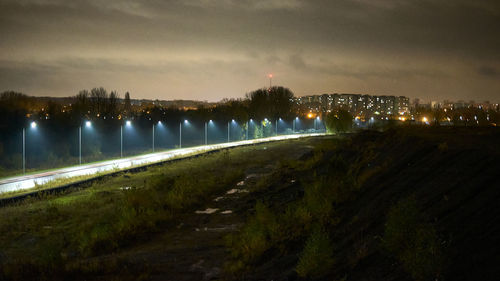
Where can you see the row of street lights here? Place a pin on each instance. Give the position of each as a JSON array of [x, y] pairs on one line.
[[128, 123]]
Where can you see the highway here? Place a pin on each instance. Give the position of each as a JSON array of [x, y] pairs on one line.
[[30, 181]]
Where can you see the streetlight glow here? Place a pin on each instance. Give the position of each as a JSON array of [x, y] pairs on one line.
[[129, 123], [88, 124], [33, 124]]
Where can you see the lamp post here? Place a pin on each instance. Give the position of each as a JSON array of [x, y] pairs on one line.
[[24, 151], [248, 124], [121, 141], [262, 126], [180, 135], [206, 131], [128, 123], [80, 145], [87, 125], [153, 137], [33, 126], [228, 124], [293, 124]]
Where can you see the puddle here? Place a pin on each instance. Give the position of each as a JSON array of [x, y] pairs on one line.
[[241, 183], [125, 188], [292, 181], [226, 212], [234, 190], [207, 211], [218, 198]]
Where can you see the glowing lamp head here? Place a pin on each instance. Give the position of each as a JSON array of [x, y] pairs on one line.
[[88, 124], [310, 115], [185, 121], [270, 75], [424, 119], [33, 125], [232, 120], [159, 122], [128, 123]]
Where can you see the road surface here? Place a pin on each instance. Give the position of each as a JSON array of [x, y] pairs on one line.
[[30, 181]]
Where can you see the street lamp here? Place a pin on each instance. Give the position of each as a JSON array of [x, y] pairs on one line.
[[293, 123], [88, 124], [246, 135], [128, 123], [206, 132], [180, 132], [33, 126], [316, 120]]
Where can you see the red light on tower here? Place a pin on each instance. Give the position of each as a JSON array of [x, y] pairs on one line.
[[270, 80]]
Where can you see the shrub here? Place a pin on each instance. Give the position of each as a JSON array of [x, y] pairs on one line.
[[316, 260], [414, 242]]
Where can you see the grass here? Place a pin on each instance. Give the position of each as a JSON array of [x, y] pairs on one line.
[[305, 220], [316, 259], [414, 241], [55, 236]]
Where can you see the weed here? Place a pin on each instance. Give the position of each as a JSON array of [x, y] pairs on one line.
[[316, 260], [414, 242]]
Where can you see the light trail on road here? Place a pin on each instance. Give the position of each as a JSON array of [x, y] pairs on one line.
[[30, 181]]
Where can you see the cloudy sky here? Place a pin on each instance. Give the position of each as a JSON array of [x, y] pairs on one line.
[[212, 49]]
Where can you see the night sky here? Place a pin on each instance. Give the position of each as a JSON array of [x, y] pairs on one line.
[[214, 49]]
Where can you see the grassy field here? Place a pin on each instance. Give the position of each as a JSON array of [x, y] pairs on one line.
[[55, 237], [404, 204]]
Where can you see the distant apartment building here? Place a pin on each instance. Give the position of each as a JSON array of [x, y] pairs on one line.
[[358, 105]]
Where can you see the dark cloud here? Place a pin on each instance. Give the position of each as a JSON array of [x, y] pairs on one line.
[[488, 71], [311, 46]]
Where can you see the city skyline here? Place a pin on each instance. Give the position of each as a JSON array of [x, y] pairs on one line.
[[210, 50]]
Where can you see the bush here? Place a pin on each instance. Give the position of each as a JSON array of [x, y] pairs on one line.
[[414, 242], [316, 260]]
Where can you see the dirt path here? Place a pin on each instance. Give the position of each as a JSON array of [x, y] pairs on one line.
[[195, 248]]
